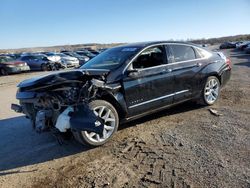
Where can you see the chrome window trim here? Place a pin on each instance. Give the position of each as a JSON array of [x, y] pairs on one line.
[[198, 59], [158, 98]]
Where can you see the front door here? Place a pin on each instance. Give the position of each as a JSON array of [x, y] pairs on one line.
[[148, 83]]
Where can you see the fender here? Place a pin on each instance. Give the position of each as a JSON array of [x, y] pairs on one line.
[[214, 68], [117, 99]]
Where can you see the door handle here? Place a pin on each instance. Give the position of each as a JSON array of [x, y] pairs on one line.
[[169, 70], [198, 64]]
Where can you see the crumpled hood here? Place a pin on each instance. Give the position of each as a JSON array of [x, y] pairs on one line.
[[54, 58], [61, 77]]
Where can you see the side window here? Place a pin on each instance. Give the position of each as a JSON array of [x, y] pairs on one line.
[[182, 53], [32, 57], [150, 57], [25, 58]]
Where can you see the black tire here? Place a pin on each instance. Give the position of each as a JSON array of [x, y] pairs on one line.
[[83, 136], [44, 67], [53, 68], [57, 66], [3, 72], [213, 93]]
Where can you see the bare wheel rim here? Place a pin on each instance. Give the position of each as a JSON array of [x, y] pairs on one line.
[[211, 91], [109, 124]]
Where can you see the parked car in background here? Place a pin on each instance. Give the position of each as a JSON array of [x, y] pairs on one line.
[[15, 55], [39, 62], [237, 44], [247, 49], [68, 61], [120, 85], [86, 53], [227, 45], [243, 45], [95, 52], [82, 58], [52, 56], [9, 65], [204, 45], [102, 50]]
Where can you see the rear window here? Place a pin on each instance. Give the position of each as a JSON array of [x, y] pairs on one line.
[[182, 53], [200, 53]]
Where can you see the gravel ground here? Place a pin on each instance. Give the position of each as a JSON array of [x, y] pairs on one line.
[[185, 146]]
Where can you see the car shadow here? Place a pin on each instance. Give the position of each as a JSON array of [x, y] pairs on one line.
[[247, 64], [177, 109], [22, 146], [244, 60]]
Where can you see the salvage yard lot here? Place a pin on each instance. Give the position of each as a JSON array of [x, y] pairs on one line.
[[179, 147]]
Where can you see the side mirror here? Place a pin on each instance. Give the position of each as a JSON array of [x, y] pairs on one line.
[[132, 72]]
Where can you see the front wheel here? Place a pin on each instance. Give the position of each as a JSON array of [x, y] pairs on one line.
[[3, 72], [44, 67], [108, 113], [211, 91]]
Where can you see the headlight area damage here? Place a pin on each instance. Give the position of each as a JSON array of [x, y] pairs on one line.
[[62, 100]]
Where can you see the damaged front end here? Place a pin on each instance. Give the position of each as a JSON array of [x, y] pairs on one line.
[[62, 101]]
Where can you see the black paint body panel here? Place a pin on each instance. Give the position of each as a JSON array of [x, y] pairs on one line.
[[145, 90]]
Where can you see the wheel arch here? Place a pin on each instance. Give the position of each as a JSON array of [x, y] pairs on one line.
[[215, 74], [117, 101]]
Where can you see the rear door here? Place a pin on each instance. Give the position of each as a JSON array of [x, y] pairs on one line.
[[186, 66], [29, 61], [147, 83]]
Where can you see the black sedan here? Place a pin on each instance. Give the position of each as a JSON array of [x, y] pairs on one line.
[[227, 45], [121, 84]]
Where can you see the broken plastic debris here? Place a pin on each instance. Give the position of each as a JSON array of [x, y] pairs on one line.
[[214, 112]]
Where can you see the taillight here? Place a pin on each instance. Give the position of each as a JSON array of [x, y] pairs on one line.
[[228, 62]]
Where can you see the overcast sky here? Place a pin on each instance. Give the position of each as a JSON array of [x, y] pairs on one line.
[[31, 23]]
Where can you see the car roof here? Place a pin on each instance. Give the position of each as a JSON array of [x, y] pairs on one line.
[[145, 44]]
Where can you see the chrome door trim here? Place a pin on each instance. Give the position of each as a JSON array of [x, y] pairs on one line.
[[158, 98]]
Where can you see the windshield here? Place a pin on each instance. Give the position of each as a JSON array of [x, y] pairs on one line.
[[43, 57], [6, 59], [111, 59]]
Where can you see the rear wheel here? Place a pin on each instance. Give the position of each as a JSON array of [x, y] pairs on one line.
[[211, 91], [108, 113]]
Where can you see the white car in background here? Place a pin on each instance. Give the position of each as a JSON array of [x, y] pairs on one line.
[[53, 57], [68, 61]]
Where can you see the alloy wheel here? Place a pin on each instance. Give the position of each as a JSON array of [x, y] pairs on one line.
[[211, 92], [109, 124]]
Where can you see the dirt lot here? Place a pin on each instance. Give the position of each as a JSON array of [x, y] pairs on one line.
[[185, 146]]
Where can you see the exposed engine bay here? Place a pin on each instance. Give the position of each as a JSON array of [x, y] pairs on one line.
[[61, 102]]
